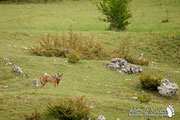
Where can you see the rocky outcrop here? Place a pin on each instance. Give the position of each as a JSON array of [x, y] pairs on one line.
[[122, 66], [167, 88]]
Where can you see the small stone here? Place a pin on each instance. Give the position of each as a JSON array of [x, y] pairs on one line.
[[9, 45], [35, 83], [23, 47], [18, 70], [6, 58], [65, 61], [106, 85], [142, 91], [135, 98], [169, 75], [6, 86], [9, 63], [108, 92], [118, 118], [101, 117], [69, 66], [84, 79]]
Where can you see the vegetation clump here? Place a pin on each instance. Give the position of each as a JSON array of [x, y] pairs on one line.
[[70, 46], [124, 51], [73, 56], [71, 108], [116, 12], [148, 81], [75, 47], [33, 116], [145, 97]]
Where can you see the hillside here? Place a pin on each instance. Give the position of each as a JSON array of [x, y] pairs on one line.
[[111, 92]]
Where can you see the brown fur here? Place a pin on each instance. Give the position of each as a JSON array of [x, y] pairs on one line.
[[55, 79]]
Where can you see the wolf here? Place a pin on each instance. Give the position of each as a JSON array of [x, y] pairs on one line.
[[55, 79]]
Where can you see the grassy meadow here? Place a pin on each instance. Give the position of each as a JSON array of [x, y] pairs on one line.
[[110, 92]]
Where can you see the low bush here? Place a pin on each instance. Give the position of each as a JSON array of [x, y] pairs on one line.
[[61, 46], [144, 97], [71, 108], [148, 81], [73, 56], [75, 46], [33, 116]]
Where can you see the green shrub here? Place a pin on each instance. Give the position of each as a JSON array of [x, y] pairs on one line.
[[74, 108], [144, 97], [33, 116], [116, 12], [148, 81], [57, 46], [73, 56]]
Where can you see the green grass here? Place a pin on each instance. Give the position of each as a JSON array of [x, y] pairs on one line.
[[23, 25]]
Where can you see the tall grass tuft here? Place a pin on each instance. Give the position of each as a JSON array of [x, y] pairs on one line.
[[71, 108], [144, 97], [124, 51], [33, 116]]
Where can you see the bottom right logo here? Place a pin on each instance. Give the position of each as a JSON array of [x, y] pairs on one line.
[[170, 110]]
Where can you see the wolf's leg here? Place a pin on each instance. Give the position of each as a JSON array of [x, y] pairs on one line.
[[42, 84]]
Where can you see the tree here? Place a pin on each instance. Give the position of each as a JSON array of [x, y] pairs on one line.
[[116, 12]]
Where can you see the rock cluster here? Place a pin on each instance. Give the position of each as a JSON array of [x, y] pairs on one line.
[[167, 88], [18, 70], [122, 66]]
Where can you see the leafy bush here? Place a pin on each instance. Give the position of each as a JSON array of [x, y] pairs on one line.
[[57, 46], [116, 12], [148, 81], [144, 97], [74, 108], [33, 116], [73, 56]]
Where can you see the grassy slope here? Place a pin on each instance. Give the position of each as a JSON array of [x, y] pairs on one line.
[[23, 24]]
